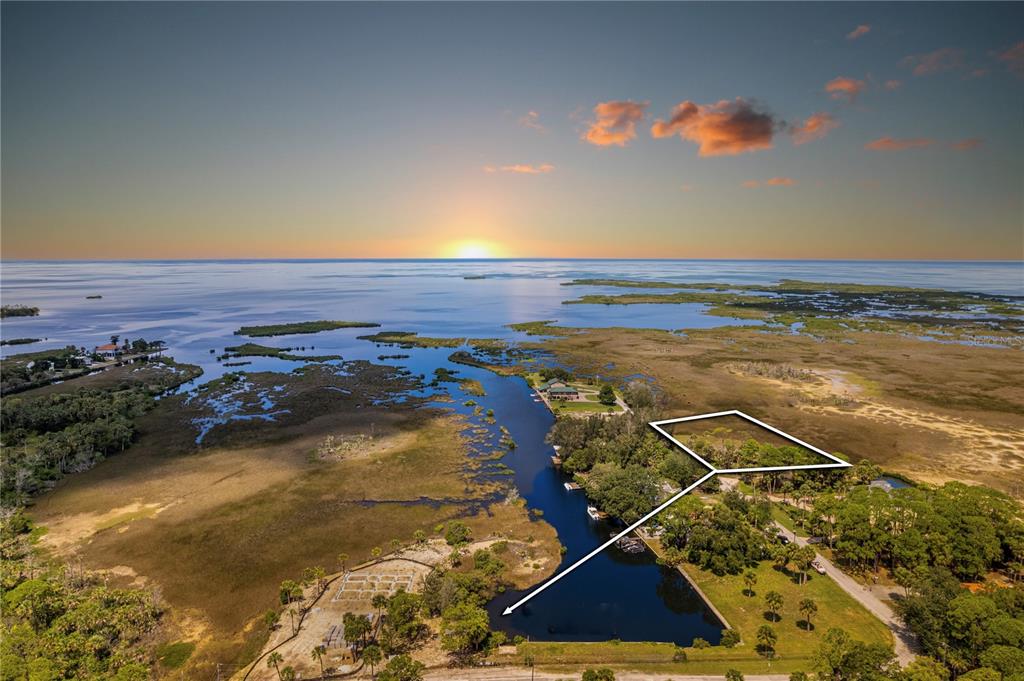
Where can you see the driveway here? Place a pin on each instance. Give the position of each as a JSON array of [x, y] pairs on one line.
[[903, 639]]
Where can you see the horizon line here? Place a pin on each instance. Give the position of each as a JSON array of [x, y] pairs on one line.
[[513, 259]]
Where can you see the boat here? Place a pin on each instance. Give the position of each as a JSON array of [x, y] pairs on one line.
[[593, 512], [630, 544], [571, 486], [557, 460]]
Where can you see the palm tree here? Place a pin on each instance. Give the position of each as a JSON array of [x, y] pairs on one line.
[[274, 660], [342, 560], [419, 536], [749, 580], [319, 574], [773, 599], [375, 552], [288, 674], [395, 544], [372, 655], [804, 557], [808, 608], [318, 655], [379, 601], [291, 616], [766, 639]]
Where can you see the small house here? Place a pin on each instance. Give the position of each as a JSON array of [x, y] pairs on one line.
[[108, 351]]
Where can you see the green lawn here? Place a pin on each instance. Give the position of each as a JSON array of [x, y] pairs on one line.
[[793, 652], [795, 645]]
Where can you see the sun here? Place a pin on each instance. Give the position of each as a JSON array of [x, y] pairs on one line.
[[471, 250]]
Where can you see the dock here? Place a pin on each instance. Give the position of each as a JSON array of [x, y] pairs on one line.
[[555, 459]]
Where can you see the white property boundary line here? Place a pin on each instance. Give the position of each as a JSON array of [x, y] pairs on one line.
[[712, 471]]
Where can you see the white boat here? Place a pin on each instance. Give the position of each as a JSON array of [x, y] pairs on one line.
[[593, 512], [571, 486]]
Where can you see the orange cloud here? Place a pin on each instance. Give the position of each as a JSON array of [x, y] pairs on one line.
[[521, 168], [861, 30], [531, 119], [893, 84], [846, 88], [721, 129], [615, 123], [945, 59], [1014, 59], [815, 127], [893, 144], [771, 182], [967, 144]]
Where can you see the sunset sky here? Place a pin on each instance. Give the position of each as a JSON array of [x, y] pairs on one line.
[[159, 130]]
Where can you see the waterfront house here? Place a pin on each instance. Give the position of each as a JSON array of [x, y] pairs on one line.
[[108, 351], [559, 390]]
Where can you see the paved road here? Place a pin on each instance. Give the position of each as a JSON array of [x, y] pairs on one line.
[[903, 640], [524, 674]]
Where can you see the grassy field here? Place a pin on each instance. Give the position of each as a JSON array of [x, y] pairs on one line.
[[930, 411], [793, 652], [261, 502]]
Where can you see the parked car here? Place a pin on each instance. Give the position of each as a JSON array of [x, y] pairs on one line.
[[782, 538], [818, 567]]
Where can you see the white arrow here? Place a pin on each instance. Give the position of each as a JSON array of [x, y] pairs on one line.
[[584, 559]]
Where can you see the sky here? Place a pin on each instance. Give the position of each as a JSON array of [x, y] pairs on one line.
[[726, 130]]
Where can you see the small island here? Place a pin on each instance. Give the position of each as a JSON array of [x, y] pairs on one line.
[[301, 327], [18, 311]]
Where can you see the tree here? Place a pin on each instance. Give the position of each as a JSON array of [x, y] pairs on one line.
[[379, 601], [375, 552], [798, 676], [274, 660], [733, 675], [343, 561], [288, 674], [270, 618], [773, 601], [318, 655], [808, 608], [457, 533], [840, 658], [464, 628], [804, 557], [606, 395], [356, 627], [925, 669], [420, 537], [602, 674], [766, 639], [749, 580], [402, 668], [372, 655]]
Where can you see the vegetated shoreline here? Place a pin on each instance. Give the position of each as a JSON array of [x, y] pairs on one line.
[[262, 331], [18, 311]]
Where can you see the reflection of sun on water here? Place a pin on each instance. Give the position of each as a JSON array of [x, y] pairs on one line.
[[471, 250]]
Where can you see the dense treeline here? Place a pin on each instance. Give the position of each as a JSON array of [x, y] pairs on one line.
[[968, 530], [61, 623], [46, 437], [982, 632]]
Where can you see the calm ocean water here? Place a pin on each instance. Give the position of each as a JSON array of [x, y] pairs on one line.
[[194, 305]]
